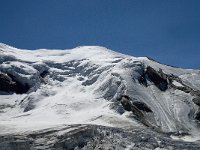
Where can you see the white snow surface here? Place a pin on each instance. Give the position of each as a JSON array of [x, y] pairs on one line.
[[177, 84], [81, 87]]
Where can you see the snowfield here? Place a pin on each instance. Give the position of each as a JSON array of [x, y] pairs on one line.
[[93, 85]]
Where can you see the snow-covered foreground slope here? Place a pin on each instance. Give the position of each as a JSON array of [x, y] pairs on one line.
[[94, 85]]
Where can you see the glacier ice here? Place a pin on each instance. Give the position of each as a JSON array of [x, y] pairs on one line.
[[96, 86]]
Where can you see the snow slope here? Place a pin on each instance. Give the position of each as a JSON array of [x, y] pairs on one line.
[[84, 85]]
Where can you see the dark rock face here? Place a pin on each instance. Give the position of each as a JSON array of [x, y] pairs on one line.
[[142, 106], [133, 106], [142, 80], [196, 100], [44, 73], [6, 82], [139, 109], [185, 89], [158, 78], [197, 116], [9, 84], [126, 104]]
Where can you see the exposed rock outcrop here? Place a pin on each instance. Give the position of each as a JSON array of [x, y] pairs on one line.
[[197, 115], [137, 108], [142, 106], [158, 78], [196, 100], [44, 73], [9, 84]]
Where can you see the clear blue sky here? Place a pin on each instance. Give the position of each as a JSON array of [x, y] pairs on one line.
[[166, 30]]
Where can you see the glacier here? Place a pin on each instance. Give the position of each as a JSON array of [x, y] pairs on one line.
[[91, 91]]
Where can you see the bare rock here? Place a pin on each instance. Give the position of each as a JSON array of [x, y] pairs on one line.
[[10, 85], [158, 78], [196, 100], [142, 106]]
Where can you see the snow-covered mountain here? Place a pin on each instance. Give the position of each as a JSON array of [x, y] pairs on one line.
[[94, 86]]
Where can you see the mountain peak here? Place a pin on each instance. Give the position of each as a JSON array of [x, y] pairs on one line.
[[95, 85]]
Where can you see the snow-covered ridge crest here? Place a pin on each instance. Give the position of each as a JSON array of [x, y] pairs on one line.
[[95, 85], [82, 52]]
